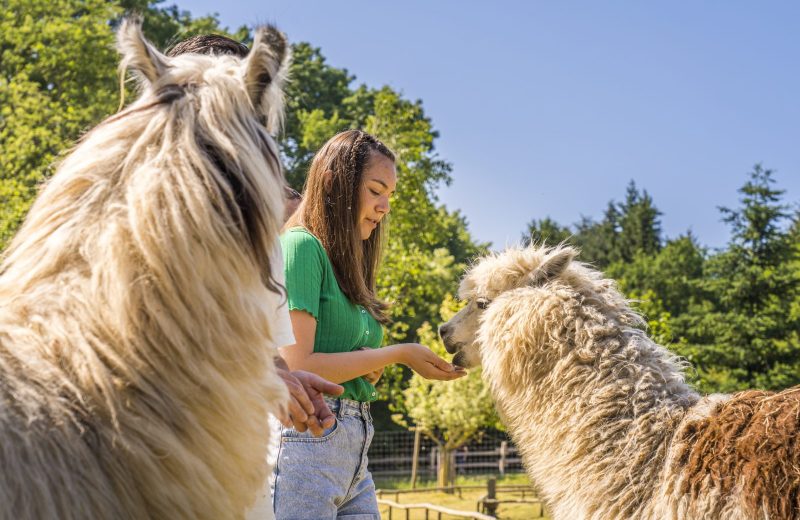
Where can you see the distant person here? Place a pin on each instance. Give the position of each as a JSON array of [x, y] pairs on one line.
[[293, 198], [332, 249]]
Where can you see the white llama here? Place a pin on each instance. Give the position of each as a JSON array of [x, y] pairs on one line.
[[135, 369]]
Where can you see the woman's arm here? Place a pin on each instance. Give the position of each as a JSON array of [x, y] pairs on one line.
[[344, 366]]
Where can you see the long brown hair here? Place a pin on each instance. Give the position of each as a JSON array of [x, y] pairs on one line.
[[330, 210]]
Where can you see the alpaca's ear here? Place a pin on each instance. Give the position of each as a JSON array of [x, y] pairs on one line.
[[265, 72], [138, 54], [553, 265]]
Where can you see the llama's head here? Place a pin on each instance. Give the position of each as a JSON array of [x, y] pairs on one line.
[[525, 287], [238, 104], [189, 169]]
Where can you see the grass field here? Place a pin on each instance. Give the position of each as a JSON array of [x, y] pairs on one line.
[[467, 501]]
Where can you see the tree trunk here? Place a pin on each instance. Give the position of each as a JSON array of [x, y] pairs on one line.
[[445, 475]]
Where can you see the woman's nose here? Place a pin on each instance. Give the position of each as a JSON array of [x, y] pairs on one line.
[[383, 205]]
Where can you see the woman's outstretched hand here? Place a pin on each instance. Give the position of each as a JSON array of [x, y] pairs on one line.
[[424, 362]]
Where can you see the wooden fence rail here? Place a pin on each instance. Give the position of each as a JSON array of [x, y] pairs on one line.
[[523, 489], [428, 508]]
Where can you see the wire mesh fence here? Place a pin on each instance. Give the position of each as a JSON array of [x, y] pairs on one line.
[[392, 455]]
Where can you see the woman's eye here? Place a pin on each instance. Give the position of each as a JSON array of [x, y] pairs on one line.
[[374, 192]]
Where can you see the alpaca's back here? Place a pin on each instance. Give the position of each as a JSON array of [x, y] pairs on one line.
[[738, 456]]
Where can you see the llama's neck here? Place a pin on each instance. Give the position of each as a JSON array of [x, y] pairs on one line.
[[594, 433]]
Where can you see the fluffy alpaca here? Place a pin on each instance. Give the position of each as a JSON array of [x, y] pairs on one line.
[[605, 423], [135, 365]]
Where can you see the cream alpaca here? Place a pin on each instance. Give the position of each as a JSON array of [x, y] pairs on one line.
[[135, 367], [606, 425]]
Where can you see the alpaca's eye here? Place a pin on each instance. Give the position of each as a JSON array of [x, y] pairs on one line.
[[482, 303]]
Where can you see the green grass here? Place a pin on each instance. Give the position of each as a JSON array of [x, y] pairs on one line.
[[467, 501]]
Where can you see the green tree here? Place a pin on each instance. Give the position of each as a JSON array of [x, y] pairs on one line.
[[429, 246], [318, 101], [672, 274], [57, 78], [628, 228], [546, 231], [598, 240], [745, 335], [639, 225]]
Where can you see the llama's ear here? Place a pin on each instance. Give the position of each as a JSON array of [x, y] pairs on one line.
[[265, 72], [138, 54], [555, 262]]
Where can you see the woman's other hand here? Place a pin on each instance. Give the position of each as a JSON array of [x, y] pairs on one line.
[[424, 362], [307, 408]]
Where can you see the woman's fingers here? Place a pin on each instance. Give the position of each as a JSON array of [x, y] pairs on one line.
[[315, 427], [442, 365], [434, 371], [300, 394], [296, 411]]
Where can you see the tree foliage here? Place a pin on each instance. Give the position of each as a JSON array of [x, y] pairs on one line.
[[627, 229], [743, 330], [57, 78]]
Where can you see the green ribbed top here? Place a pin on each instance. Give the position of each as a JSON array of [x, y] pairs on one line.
[[311, 285]]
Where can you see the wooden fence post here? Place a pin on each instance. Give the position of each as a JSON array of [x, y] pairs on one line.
[[501, 464], [453, 469], [415, 459], [491, 497]]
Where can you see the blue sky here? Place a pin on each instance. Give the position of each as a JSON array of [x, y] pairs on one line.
[[551, 108]]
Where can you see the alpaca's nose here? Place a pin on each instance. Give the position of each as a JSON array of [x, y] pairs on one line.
[[444, 330]]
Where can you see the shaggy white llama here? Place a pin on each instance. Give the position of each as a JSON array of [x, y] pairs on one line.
[[135, 368], [606, 425]]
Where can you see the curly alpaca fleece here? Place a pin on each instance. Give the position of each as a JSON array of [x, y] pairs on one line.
[[136, 368], [606, 425]]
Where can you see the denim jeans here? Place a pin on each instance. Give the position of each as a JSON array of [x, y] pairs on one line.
[[325, 478]]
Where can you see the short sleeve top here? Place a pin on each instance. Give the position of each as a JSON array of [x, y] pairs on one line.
[[342, 326], [282, 334]]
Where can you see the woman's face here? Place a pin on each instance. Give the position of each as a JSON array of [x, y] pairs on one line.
[[377, 185]]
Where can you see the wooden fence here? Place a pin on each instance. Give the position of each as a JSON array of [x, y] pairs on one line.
[[431, 508], [424, 460], [486, 506]]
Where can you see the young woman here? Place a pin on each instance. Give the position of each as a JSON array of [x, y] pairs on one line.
[[332, 247]]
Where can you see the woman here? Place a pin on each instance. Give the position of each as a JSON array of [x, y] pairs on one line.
[[331, 249]]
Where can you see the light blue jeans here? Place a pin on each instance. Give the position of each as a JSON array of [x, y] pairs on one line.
[[325, 478]]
